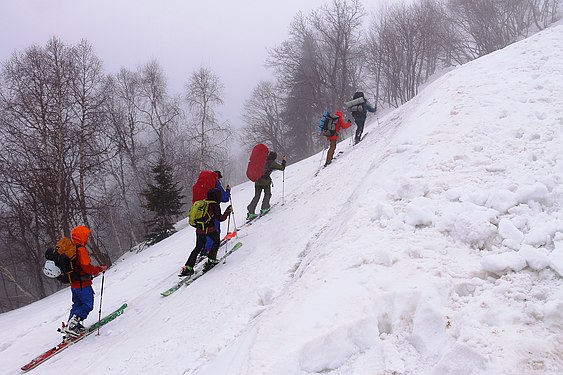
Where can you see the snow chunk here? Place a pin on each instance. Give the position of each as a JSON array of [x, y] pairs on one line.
[[501, 200], [556, 258], [460, 359], [420, 212], [473, 226], [403, 188], [541, 234], [475, 196], [429, 331], [501, 263], [508, 231], [384, 211], [537, 192], [534, 257], [338, 346]]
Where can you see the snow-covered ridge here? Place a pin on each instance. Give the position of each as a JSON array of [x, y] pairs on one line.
[[435, 246]]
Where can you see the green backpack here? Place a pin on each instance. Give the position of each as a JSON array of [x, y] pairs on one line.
[[199, 215]]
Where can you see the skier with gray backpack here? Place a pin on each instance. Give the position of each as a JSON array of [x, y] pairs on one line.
[[359, 108]]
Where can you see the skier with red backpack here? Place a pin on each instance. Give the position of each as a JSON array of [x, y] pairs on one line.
[[225, 197], [205, 228], [264, 183], [208, 180]]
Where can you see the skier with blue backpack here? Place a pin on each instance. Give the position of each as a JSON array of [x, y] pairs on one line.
[[330, 126]]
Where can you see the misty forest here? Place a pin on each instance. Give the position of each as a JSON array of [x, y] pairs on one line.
[[79, 146]]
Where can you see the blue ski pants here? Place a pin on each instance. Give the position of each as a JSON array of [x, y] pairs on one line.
[[82, 301]]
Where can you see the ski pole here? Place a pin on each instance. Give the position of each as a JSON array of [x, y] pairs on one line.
[[227, 244], [283, 187], [234, 221], [101, 296]]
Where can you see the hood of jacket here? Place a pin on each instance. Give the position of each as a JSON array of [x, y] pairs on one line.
[[80, 235], [214, 195]]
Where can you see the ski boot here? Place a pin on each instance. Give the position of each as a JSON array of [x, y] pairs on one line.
[[264, 211], [250, 216], [74, 328], [210, 264], [186, 271]]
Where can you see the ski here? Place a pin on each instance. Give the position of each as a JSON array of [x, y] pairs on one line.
[[326, 165], [190, 279], [66, 343], [362, 138], [249, 222]]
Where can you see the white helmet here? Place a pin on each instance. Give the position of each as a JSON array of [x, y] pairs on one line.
[[51, 270]]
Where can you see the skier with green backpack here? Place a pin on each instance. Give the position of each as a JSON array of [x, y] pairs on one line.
[[202, 216]]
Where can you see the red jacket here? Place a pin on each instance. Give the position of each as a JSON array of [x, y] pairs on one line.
[[86, 269], [340, 124]]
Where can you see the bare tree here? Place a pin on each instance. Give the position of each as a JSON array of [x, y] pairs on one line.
[[405, 47], [159, 111], [38, 153], [318, 68], [89, 94], [203, 95], [262, 116], [50, 156]]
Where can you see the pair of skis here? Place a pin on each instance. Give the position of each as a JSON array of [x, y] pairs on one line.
[[68, 342], [249, 222], [199, 273]]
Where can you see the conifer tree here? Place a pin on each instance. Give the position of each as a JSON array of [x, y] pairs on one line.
[[164, 199]]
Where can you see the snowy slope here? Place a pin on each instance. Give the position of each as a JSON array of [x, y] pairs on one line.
[[435, 246]]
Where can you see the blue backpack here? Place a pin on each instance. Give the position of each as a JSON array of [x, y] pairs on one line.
[[327, 124]]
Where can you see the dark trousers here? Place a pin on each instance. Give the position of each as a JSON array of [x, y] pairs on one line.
[[257, 193], [359, 128], [200, 245], [209, 241]]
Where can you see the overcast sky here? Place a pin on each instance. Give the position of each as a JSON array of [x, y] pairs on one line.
[[230, 37]]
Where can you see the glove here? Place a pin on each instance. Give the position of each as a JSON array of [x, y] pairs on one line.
[[103, 268], [229, 210], [350, 121]]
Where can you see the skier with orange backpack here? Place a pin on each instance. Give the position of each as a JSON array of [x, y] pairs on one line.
[[80, 283]]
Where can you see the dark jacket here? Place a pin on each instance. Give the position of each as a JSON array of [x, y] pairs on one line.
[[361, 115], [269, 167], [214, 209]]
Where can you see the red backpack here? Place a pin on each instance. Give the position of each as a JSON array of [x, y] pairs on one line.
[[257, 161], [205, 181]]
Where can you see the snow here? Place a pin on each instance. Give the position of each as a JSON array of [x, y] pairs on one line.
[[435, 246]]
